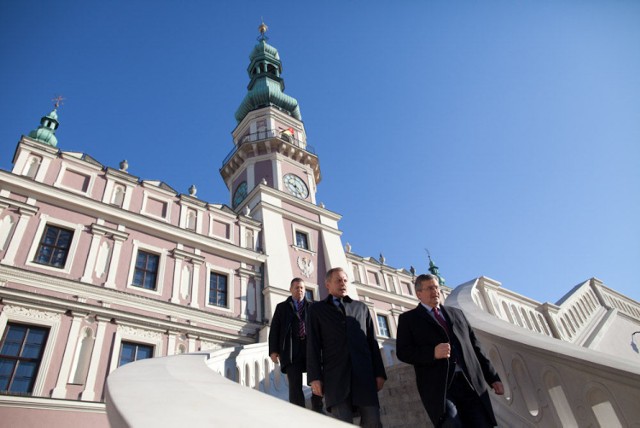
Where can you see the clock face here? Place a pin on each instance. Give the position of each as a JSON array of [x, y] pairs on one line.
[[240, 194], [296, 186]]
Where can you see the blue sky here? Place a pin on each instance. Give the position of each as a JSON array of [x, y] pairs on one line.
[[501, 135]]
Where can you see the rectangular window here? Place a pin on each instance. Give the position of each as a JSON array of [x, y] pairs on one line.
[[356, 273], [146, 270], [373, 278], [302, 240], [309, 295], [54, 246], [130, 352], [21, 351], [383, 325], [218, 290]]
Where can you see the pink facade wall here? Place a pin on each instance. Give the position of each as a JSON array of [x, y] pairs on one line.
[[29, 417], [301, 212], [59, 211], [264, 169]]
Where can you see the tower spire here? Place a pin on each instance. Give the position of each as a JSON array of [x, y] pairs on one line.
[[45, 133], [266, 87], [262, 28], [433, 269]]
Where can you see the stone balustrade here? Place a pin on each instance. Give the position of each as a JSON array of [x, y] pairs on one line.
[[549, 380]]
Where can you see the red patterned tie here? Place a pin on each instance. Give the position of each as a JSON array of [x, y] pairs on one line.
[[302, 332], [441, 320]]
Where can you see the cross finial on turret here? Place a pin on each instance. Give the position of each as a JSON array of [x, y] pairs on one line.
[[57, 101]]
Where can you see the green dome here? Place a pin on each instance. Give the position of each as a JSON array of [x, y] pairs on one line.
[[266, 87], [45, 133]]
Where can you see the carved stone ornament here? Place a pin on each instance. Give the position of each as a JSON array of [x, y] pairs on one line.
[[128, 331], [206, 345], [35, 314], [306, 266]]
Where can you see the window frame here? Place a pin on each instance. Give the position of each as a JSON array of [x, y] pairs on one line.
[[385, 317], [145, 271], [299, 233], [40, 318], [162, 262], [23, 359], [137, 345], [295, 229], [54, 248], [230, 274], [46, 220], [129, 333]]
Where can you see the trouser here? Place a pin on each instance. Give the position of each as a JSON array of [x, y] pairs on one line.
[[369, 415], [296, 396], [294, 377], [464, 406]]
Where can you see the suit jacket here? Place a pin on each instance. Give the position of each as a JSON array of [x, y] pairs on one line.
[[418, 335], [343, 353], [283, 336]]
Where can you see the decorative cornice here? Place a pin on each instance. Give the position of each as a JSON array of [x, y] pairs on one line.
[[22, 207], [118, 298], [139, 221]]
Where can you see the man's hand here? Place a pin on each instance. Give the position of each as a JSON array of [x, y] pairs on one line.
[[498, 388], [379, 383], [275, 357], [442, 350], [316, 388]]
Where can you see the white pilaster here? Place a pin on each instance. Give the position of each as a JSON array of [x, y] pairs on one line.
[[195, 285], [91, 258], [177, 271], [18, 234], [60, 390], [89, 393], [115, 260]]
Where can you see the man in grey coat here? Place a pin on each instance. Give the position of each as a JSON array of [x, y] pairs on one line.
[[343, 356], [452, 371]]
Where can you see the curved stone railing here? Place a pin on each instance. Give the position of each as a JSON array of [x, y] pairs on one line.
[[550, 382], [182, 390]]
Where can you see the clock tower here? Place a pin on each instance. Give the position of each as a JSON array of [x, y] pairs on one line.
[[272, 174]]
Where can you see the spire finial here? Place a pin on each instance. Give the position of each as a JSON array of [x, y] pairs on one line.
[[57, 101], [262, 29], [434, 269]]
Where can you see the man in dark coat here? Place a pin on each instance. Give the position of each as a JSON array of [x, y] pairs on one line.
[[452, 372], [288, 342], [343, 356]]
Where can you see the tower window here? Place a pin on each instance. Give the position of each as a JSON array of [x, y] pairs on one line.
[[302, 240], [308, 294]]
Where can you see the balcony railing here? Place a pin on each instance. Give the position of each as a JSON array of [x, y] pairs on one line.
[[267, 135]]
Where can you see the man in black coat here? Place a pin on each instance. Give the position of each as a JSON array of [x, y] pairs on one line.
[[343, 356], [452, 372], [288, 342]]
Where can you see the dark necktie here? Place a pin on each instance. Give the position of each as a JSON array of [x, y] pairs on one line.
[[441, 320], [340, 306], [302, 332]]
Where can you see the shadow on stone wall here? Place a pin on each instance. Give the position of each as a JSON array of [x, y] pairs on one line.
[[400, 404]]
